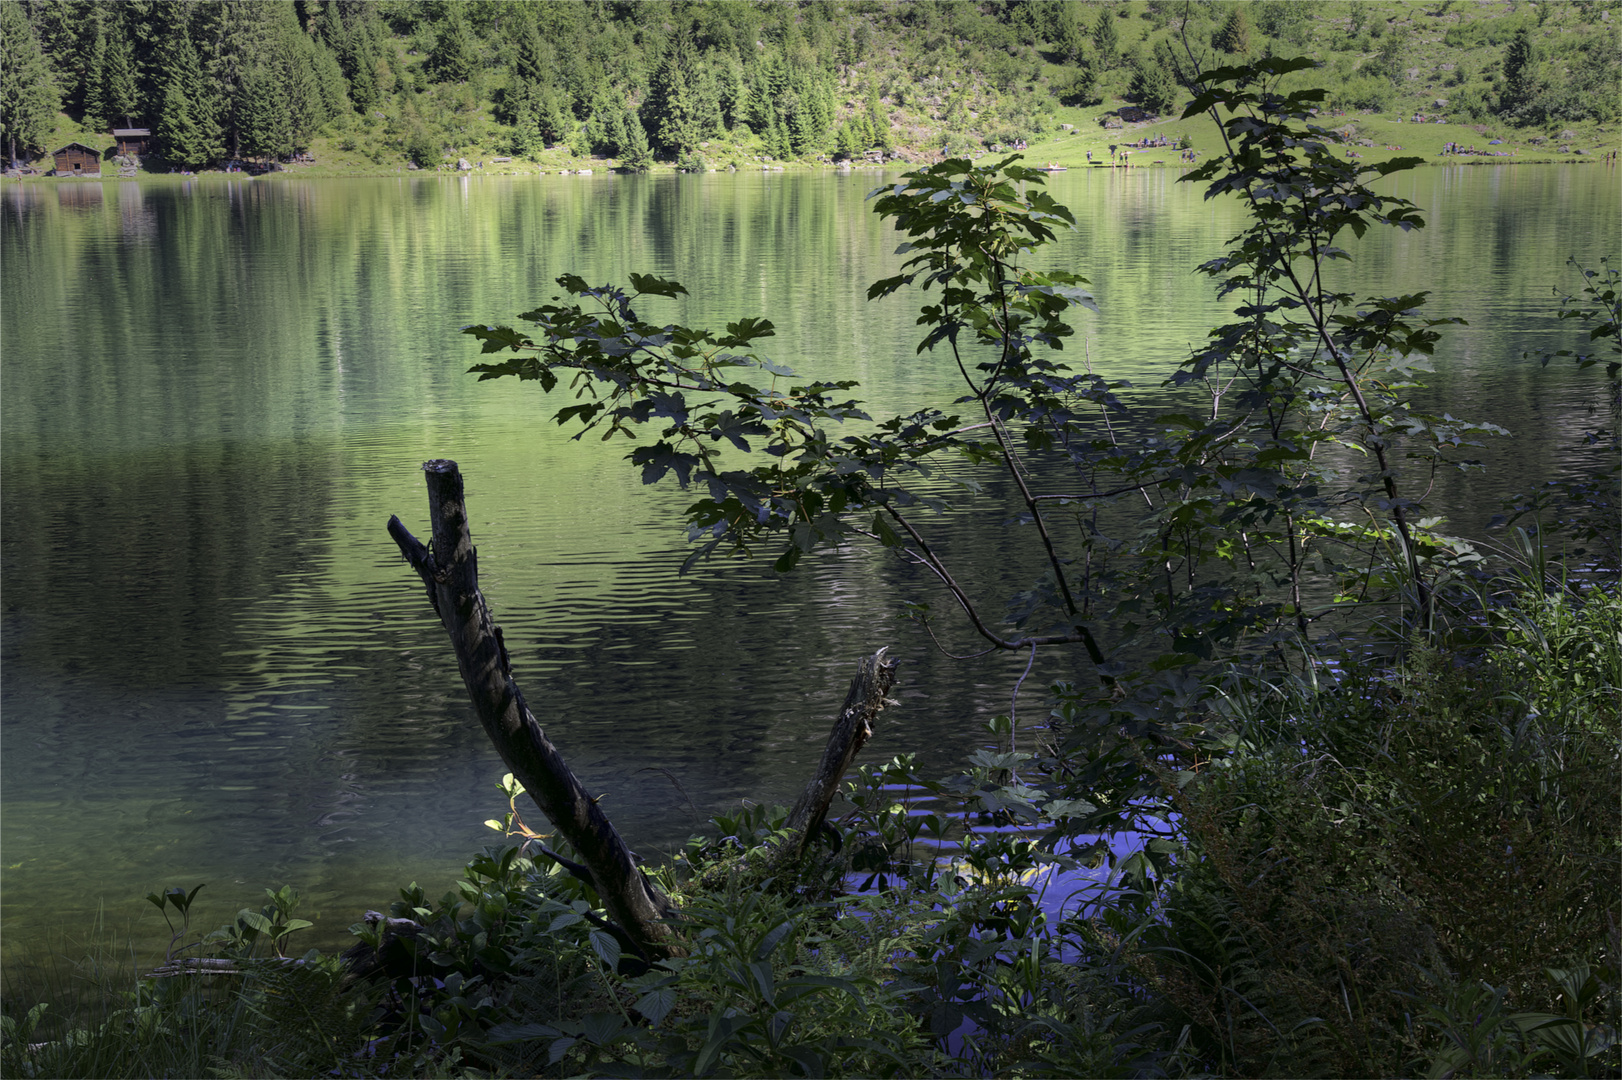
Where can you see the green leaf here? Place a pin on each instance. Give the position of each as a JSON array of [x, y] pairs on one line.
[[808, 1057], [602, 1028], [606, 948], [773, 938], [502, 1034], [655, 1006], [744, 331], [648, 285], [887, 536], [254, 920]]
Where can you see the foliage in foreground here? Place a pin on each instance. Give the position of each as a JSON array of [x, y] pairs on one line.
[[1368, 859], [1389, 873]]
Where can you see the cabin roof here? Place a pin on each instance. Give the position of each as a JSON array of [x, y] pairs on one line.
[[71, 145], [131, 132]]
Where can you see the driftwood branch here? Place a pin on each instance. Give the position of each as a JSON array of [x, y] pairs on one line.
[[868, 695], [450, 570]]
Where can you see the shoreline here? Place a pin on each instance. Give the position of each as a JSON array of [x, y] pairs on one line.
[[318, 173]]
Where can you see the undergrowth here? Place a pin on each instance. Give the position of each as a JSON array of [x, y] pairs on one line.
[[1393, 871]]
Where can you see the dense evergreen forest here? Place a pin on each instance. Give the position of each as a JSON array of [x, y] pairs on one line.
[[384, 83]]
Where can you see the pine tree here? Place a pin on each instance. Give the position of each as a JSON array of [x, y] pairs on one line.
[[264, 119], [878, 122], [1153, 84], [120, 99], [29, 97], [1235, 35], [527, 140], [670, 111], [455, 54], [186, 133], [1521, 84], [636, 154], [92, 96], [1106, 37], [731, 92]]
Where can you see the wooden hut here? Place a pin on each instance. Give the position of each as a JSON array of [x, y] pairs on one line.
[[133, 141], [77, 159]]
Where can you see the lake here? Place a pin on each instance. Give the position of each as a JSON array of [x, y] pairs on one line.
[[214, 666]]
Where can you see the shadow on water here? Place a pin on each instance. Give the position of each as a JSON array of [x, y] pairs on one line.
[[214, 666]]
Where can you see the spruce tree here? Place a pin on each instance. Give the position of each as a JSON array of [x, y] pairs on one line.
[[29, 97], [553, 117], [1153, 84], [455, 54], [527, 141], [1071, 40], [731, 93], [264, 119], [1235, 36], [354, 33], [304, 65], [120, 99], [1106, 37], [878, 122], [1521, 85], [670, 111], [636, 154], [845, 141], [535, 61], [186, 132], [92, 93]]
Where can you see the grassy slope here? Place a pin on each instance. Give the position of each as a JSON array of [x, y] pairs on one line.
[[357, 146]]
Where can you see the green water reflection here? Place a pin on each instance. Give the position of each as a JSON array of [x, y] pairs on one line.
[[215, 667]]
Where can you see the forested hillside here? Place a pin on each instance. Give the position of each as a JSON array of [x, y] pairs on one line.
[[377, 84]]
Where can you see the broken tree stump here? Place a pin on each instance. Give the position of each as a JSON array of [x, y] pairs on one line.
[[450, 570]]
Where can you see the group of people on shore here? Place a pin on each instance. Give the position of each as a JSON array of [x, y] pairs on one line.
[[1454, 149]]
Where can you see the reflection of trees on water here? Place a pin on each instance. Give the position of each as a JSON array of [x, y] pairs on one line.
[[215, 394]]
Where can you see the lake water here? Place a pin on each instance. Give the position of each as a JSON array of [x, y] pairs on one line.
[[216, 668]]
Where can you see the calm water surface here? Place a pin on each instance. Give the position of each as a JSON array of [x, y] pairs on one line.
[[215, 665]]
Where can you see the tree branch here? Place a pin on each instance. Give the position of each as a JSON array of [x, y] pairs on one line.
[[451, 573]]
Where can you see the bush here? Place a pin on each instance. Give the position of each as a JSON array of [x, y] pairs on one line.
[[1448, 825], [423, 148]]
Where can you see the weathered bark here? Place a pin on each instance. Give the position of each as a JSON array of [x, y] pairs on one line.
[[451, 572], [867, 696], [639, 910]]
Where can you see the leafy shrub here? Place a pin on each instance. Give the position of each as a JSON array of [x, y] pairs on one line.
[[1446, 826], [422, 147]]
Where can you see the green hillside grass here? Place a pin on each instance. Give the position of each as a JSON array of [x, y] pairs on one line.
[[973, 77]]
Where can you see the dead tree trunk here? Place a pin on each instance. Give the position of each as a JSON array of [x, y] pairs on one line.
[[867, 696], [451, 572]]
